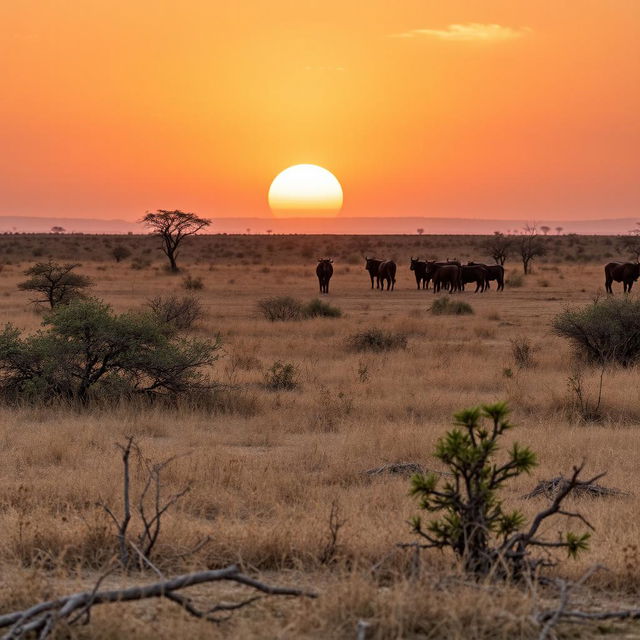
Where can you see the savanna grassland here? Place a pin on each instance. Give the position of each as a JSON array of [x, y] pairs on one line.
[[267, 466]]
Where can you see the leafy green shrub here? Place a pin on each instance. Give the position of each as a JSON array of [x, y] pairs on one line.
[[483, 535], [515, 280], [85, 351], [377, 340], [446, 307], [603, 332], [281, 308], [319, 308], [281, 376], [193, 284]]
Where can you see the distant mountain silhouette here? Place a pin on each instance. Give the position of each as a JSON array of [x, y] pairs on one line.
[[340, 225]]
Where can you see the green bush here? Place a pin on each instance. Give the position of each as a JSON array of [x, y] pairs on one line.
[[86, 351], [603, 332], [488, 539], [281, 308], [281, 376], [377, 340], [318, 308], [56, 283], [446, 307]]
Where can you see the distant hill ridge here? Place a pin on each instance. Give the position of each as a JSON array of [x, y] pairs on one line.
[[340, 225]]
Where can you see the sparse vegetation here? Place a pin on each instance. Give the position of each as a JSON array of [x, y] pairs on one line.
[[514, 280], [177, 312], [446, 307], [377, 340], [281, 308], [318, 308], [281, 376], [193, 283], [606, 331], [120, 252], [522, 351]]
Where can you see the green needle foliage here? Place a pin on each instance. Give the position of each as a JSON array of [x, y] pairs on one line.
[[474, 523]]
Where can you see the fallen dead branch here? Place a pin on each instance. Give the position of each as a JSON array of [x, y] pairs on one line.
[[43, 617], [550, 618], [550, 488], [396, 468]]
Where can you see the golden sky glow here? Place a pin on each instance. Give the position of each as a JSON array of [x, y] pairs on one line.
[[469, 108]]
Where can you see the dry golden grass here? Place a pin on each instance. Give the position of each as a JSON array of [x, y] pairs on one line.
[[266, 466]]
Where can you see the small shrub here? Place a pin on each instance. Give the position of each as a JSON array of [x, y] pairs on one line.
[[473, 523], [448, 307], [179, 313], [515, 280], [140, 263], [193, 284], [318, 308], [120, 252], [281, 308], [377, 340], [281, 376], [606, 331], [522, 352]]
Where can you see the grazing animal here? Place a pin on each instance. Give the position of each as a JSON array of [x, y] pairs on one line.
[[433, 266], [419, 268], [324, 271], [387, 272], [475, 273], [625, 272], [494, 272], [446, 276], [372, 265]]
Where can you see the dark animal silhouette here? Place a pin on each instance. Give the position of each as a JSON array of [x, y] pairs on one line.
[[625, 272], [494, 272], [419, 268], [324, 271], [387, 272], [432, 266], [475, 274], [447, 276], [372, 265]]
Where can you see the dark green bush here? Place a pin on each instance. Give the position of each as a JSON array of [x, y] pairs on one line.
[[446, 307], [377, 340], [603, 332], [56, 283], [86, 351]]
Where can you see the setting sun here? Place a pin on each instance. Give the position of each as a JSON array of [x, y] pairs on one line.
[[305, 190]]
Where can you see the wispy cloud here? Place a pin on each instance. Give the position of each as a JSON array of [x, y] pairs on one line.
[[471, 31]]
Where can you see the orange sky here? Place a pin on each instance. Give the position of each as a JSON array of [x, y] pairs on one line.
[[471, 108]]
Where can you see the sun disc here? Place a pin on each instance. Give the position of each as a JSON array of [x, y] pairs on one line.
[[305, 190]]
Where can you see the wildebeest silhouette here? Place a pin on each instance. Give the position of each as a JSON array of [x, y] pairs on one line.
[[446, 276], [372, 265], [625, 272], [387, 272], [419, 268], [474, 273], [433, 266], [324, 271], [494, 272]]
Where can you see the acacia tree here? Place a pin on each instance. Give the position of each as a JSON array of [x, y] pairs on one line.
[[498, 246], [530, 246], [173, 227], [631, 243], [56, 282]]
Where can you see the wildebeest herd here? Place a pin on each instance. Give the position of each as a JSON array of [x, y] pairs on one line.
[[452, 276]]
